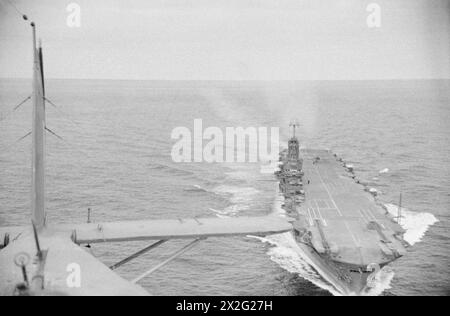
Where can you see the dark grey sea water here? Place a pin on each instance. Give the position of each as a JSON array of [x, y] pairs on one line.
[[115, 159]]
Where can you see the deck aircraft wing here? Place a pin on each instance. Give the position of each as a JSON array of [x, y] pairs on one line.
[[64, 258], [159, 229], [177, 229]]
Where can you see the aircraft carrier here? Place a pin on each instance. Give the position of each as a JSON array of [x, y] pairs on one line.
[[342, 231]]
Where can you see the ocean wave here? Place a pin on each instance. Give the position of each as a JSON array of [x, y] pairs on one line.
[[196, 188], [170, 170]]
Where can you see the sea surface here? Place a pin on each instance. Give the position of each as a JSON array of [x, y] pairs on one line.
[[114, 156]]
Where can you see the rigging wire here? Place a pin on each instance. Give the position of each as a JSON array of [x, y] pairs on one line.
[[16, 9], [54, 134], [7, 115], [4, 117], [72, 146], [21, 103], [62, 113], [7, 147]]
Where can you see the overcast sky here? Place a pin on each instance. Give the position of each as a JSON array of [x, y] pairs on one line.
[[230, 39]]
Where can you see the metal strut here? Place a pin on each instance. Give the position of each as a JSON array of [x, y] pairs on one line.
[[171, 258], [137, 254], [38, 280]]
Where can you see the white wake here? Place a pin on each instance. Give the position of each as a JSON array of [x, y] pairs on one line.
[[241, 199], [286, 253], [416, 224]]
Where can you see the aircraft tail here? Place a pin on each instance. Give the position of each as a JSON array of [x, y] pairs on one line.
[[38, 138]]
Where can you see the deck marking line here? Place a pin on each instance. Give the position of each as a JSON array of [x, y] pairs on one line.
[[314, 213], [320, 215], [351, 234], [309, 217], [329, 194], [363, 217]]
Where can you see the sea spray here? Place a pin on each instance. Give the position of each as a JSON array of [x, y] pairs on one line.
[[415, 224], [287, 255], [240, 198]]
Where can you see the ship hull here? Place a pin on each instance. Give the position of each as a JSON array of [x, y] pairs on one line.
[[344, 278]]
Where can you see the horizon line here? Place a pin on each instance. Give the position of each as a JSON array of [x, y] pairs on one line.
[[230, 80]]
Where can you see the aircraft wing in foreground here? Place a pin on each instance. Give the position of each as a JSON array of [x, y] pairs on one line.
[[51, 262]]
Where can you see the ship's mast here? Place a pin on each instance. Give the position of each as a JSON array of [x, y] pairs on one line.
[[294, 125], [38, 138], [399, 209], [293, 144]]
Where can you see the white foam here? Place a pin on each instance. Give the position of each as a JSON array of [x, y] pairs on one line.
[[287, 255], [240, 197], [196, 187], [219, 213], [416, 224], [382, 282], [238, 194], [222, 216]]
